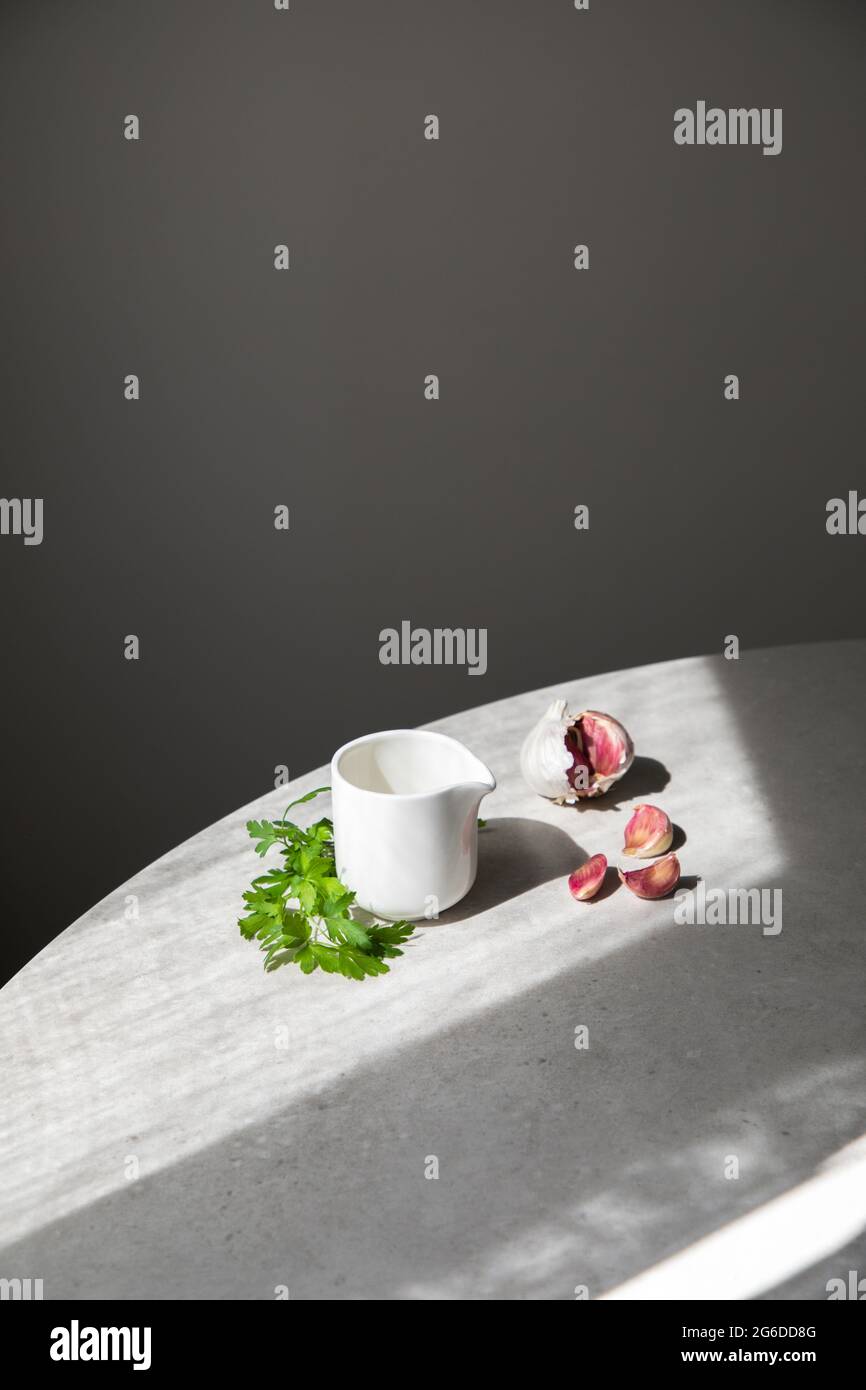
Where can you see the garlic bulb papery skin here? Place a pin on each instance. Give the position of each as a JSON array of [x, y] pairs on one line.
[[572, 757]]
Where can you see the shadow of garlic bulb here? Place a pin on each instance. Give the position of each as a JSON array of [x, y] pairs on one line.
[[572, 757]]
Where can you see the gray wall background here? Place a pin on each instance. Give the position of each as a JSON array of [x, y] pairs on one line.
[[306, 387]]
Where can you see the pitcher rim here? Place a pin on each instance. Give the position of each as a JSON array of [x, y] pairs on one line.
[[416, 733]]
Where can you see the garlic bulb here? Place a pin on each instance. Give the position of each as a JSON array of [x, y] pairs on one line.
[[569, 757]]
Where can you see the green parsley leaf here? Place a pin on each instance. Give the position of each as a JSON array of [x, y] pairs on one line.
[[319, 933]]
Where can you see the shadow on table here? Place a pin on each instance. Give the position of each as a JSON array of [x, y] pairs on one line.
[[332, 1196], [645, 777], [515, 854]]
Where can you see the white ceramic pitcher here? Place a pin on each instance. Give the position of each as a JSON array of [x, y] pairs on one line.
[[405, 809]]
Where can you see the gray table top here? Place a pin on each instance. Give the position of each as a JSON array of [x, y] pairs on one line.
[[177, 1124]]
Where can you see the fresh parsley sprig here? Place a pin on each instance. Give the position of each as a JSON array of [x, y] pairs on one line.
[[299, 914]]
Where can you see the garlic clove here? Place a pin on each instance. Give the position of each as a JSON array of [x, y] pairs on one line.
[[585, 882], [570, 757], [649, 832], [656, 880]]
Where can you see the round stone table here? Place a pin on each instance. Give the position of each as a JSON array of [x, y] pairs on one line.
[[600, 1086]]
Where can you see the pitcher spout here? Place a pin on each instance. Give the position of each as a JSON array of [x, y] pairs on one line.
[[480, 781]]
